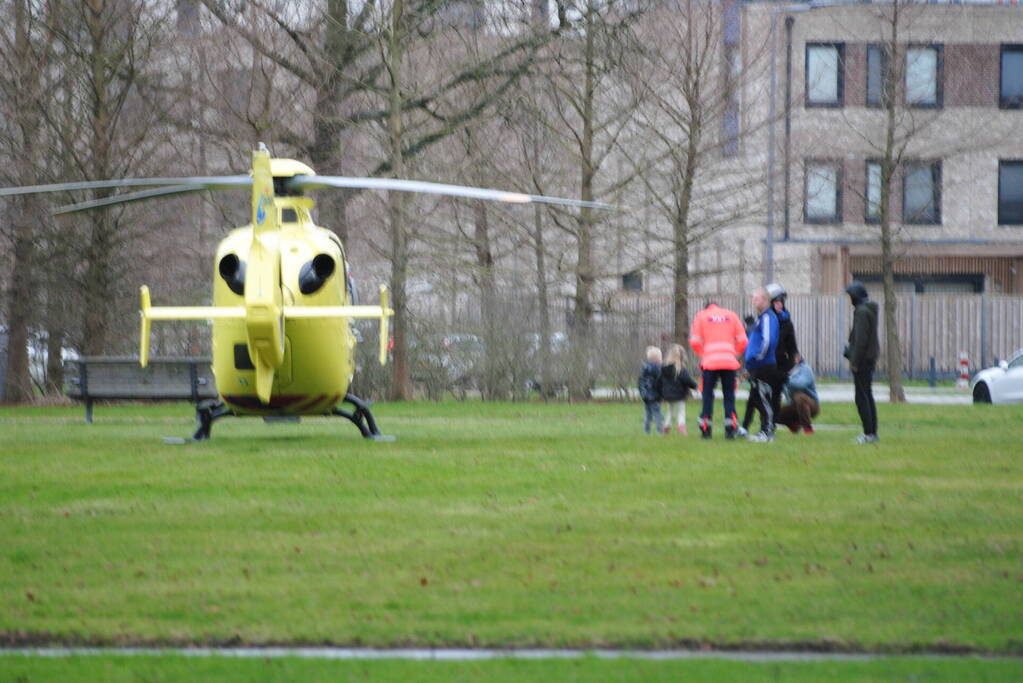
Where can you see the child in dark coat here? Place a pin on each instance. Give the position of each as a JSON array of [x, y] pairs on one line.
[[650, 389], [675, 386]]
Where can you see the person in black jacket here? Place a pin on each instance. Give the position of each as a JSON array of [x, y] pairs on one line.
[[787, 351], [650, 389], [675, 386], [862, 352]]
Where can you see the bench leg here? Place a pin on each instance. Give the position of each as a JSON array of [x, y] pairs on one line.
[[88, 411], [205, 413], [361, 417]]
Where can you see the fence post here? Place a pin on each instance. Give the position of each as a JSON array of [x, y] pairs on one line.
[[912, 334], [985, 322], [840, 337], [932, 377], [817, 337]]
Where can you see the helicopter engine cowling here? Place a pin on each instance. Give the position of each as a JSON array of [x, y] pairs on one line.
[[315, 273], [232, 269]]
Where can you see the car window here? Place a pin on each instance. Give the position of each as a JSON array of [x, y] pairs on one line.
[[1016, 362]]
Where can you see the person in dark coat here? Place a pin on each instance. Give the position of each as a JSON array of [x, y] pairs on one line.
[[650, 389], [787, 352], [675, 387], [862, 351]]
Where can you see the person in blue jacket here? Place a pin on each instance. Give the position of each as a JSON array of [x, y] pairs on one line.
[[761, 363]]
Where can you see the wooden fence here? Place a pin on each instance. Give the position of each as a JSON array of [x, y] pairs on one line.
[[987, 327]]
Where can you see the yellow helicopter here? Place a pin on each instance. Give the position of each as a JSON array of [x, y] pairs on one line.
[[283, 342]]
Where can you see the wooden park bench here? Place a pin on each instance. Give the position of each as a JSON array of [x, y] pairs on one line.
[[120, 378]]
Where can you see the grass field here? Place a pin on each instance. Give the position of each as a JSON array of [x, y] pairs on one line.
[[513, 525]]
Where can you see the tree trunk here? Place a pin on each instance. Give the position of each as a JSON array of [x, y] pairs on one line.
[[582, 306], [24, 215], [685, 174], [543, 304], [326, 154], [488, 303], [893, 350], [401, 387], [20, 307], [100, 245]]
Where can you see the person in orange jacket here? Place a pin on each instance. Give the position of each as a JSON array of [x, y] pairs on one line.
[[718, 337]]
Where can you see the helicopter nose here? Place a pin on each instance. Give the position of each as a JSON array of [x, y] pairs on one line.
[[232, 269], [314, 273]]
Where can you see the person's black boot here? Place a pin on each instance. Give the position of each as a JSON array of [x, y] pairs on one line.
[[704, 428]]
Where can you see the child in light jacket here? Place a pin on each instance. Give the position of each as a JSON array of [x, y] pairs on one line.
[[675, 387]]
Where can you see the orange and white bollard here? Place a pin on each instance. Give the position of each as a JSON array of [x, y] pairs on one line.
[[964, 371]]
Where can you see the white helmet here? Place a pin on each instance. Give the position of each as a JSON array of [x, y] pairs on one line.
[[776, 291]]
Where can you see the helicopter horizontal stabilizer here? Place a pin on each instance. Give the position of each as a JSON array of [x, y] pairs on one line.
[[381, 312], [147, 314]]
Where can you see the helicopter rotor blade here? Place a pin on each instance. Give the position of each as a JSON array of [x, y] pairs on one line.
[[307, 182], [207, 183], [128, 197]]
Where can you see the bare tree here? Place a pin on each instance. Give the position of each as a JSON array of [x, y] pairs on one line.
[[26, 48], [590, 111], [691, 73]]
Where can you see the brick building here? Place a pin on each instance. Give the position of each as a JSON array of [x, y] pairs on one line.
[[957, 195]]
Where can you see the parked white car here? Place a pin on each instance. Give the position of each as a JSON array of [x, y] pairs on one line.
[[1000, 384]]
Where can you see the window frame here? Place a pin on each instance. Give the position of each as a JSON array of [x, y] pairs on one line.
[[1015, 101], [885, 66], [839, 102], [867, 218], [935, 166], [939, 75], [836, 218], [1001, 162]]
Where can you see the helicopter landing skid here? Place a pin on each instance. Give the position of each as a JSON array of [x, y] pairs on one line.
[[362, 418]]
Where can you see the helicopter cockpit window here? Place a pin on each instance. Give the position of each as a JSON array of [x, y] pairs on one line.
[[232, 269], [289, 216], [314, 273]]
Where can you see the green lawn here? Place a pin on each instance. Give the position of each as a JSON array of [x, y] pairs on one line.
[[225, 669], [512, 525]]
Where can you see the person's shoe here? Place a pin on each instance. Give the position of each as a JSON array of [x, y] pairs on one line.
[[705, 431], [682, 430], [867, 438], [808, 430], [667, 429], [741, 431], [760, 437]]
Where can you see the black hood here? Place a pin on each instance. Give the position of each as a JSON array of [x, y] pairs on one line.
[[857, 292]]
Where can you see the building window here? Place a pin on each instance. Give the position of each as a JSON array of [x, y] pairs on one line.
[[824, 74], [1010, 192], [872, 203], [921, 193], [877, 68], [632, 281], [823, 191], [1011, 90], [923, 76]]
